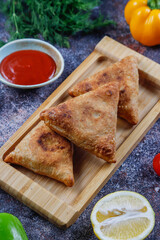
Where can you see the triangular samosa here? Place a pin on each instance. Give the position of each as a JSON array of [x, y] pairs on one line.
[[89, 120], [45, 152], [124, 71]]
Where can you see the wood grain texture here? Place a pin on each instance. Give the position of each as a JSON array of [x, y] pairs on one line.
[[53, 200], [148, 69]]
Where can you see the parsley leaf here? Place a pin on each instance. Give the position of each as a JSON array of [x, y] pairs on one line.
[[54, 20]]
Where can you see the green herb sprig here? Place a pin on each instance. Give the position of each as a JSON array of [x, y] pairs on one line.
[[154, 4], [54, 20]]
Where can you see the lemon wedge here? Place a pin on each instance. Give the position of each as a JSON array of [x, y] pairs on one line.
[[122, 215]]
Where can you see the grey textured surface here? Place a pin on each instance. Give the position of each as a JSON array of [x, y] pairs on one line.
[[136, 173]]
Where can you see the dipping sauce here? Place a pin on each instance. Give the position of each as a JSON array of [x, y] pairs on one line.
[[28, 67]]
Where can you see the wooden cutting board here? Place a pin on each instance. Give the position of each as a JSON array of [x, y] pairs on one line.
[[56, 202]]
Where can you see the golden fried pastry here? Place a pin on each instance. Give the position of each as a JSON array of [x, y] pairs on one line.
[[126, 72], [89, 120], [45, 152]]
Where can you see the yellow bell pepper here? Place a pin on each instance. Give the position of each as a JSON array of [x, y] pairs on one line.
[[143, 18]]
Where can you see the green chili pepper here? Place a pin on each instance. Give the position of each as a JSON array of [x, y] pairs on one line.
[[11, 228]]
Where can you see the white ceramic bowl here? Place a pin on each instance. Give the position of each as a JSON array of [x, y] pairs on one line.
[[32, 44]]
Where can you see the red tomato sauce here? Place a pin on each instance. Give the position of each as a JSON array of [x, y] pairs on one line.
[[28, 67]]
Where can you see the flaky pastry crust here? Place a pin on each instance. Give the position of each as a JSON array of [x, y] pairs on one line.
[[124, 71], [89, 120], [45, 152]]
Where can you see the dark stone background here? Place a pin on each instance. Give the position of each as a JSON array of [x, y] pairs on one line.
[[135, 174]]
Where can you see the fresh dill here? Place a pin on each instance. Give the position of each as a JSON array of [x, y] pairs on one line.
[[54, 20]]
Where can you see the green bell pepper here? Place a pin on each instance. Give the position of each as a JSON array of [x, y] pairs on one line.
[[11, 228]]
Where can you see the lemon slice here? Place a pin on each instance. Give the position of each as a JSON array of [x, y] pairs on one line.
[[122, 215]]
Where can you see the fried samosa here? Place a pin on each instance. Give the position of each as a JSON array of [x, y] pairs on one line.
[[89, 120], [45, 152], [124, 71]]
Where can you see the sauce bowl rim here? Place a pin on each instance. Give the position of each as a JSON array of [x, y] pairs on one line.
[[61, 65]]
